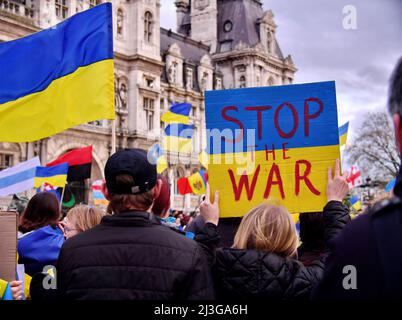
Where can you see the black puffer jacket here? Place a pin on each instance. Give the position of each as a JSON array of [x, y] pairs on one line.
[[254, 274], [132, 256]]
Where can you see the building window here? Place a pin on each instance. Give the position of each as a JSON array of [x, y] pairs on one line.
[[119, 22], [6, 161], [61, 8], [204, 81], [218, 84], [149, 82], [149, 113], [93, 3], [190, 79], [194, 111], [269, 41], [195, 139], [228, 25], [148, 26], [97, 123], [271, 81], [172, 72], [242, 82]]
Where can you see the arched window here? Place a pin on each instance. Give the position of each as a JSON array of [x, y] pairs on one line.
[[119, 22], [148, 26], [269, 41], [271, 81], [242, 82]]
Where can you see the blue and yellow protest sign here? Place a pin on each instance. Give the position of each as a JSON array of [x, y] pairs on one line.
[[273, 143]]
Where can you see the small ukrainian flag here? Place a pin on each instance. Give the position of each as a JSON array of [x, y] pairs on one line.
[[55, 175], [343, 134], [355, 202], [178, 138], [178, 113]]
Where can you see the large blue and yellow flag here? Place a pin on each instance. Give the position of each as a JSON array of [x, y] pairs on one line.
[[271, 143], [343, 134], [178, 113], [178, 138], [55, 175], [58, 78]]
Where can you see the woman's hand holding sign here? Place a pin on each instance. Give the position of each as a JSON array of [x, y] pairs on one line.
[[337, 187], [210, 211]]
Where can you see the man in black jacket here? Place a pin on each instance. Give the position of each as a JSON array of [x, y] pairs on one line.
[[130, 255], [366, 259]]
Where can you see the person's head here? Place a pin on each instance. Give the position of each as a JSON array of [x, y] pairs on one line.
[[42, 210], [131, 181], [395, 102], [270, 228], [82, 218], [185, 220], [162, 203], [312, 229]]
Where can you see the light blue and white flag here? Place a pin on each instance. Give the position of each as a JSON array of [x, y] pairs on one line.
[[18, 178]]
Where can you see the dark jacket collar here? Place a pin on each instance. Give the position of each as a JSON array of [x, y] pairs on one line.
[[130, 218]]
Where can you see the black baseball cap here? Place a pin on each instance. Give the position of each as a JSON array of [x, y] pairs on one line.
[[133, 162]]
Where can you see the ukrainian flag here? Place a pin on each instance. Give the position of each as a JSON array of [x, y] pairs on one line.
[[343, 134], [178, 138], [56, 175], [355, 202], [178, 113], [156, 155], [58, 78]]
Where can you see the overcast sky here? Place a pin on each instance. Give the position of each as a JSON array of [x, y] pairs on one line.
[[360, 61]]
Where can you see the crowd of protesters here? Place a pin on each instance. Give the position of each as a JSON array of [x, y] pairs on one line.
[[139, 249]]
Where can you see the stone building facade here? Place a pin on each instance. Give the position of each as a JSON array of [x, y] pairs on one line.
[[218, 44]]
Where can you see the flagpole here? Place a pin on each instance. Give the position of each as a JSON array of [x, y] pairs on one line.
[[113, 136], [62, 196]]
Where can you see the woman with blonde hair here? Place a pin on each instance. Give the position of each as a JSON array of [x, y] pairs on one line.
[[262, 263], [81, 218]]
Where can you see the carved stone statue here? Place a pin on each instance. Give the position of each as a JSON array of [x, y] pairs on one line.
[[123, 95]]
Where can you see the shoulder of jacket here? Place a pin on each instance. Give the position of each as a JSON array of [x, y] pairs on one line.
[[385, 206]]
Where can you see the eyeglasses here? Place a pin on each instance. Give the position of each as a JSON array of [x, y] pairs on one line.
[[67, 229]]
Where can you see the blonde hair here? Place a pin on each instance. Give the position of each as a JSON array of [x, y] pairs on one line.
[[85, 217], [268, 227]]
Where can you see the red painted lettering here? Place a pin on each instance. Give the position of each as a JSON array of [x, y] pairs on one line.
[[243, 181], [234, 120], [308, 116], [295, 120], [274, 171], [304, 177], [267, 152], [259, 110]]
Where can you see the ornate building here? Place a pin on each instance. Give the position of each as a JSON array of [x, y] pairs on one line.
[[219, 44]]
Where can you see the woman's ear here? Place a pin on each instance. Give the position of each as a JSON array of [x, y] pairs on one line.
[[157, 188]]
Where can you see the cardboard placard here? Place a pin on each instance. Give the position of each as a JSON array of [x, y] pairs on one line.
[[271, 143], [8, 245]]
